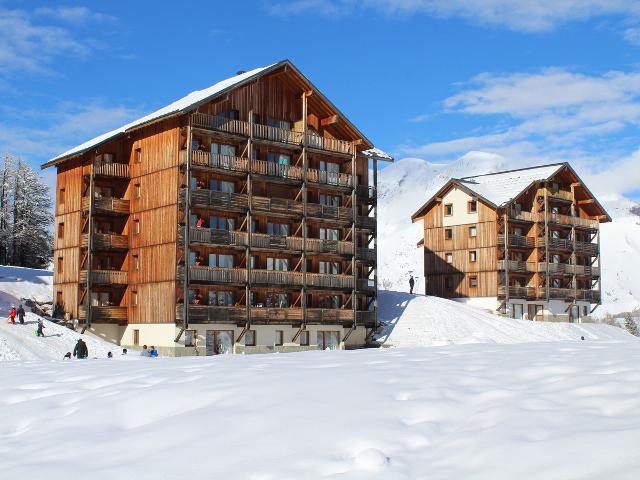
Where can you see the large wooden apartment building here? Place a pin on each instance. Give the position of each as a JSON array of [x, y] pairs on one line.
[[238, 218], [524, 242]]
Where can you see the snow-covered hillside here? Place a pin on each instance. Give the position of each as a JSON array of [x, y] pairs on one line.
[[529, 411], [419, 321], [405, 185]]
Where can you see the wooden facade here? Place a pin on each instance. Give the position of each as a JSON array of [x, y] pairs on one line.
[[252, 207], [542, 245]]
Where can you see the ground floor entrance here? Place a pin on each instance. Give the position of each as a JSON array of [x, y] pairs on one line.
[[328, 340], [219, 342]]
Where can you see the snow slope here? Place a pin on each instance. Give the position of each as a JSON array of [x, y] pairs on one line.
[[18, 282], [418, 321], [531, 411], [405, 185]]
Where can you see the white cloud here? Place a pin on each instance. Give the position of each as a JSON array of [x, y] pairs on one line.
[[632, 35], [76, 15], [519, 15]]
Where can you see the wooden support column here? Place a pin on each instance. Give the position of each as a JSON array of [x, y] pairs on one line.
[[375, 242], [546, 236], [574, 277], [506, 260], [354, 206], [187, 229], [92, 183], [305, 167], [248, 291]]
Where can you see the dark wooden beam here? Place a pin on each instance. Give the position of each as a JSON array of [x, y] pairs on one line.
[[329, 120], [588, 200]]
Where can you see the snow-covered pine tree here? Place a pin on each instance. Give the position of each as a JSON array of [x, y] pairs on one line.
[[31, 237], [6, 194], [630, 325]]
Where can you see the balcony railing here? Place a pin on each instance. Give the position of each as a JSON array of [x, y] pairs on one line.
[[120, 170], [105, 277], [329, 178], [584, 270], [331, 144], [517, 292], [106, 241], [329, 212], [215, 274], [274, 169], [587, 248], [275, 134], [278, 206], [517, 241], [217, 237], [564, 244], [555, 268], [104, 313], [221, 123], [560, 194], [222, 200], [276, 277], [275, 242], [366, 192], [366, 285], [336, 247], [238, 314], [367, 223], [569, 220], [200, 158], [329, 281], [366, 254], [592, 296], [524, 216], [212, 314], [516, 266], [107, 205]]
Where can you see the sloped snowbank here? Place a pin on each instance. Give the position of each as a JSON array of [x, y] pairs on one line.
[[530, 411], [18, 282], [420, 321]]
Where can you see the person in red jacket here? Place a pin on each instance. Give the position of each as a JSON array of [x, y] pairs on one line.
[[12, 315]]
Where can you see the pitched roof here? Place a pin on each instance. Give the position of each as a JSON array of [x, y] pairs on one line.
[[191, 101], [502, 187]]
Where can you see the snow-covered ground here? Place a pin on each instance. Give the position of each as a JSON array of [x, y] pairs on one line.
[[527, 411], [419, 321], [18, 282], [405, 185]]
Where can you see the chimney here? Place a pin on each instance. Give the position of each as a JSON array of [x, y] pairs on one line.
[[240, 72]]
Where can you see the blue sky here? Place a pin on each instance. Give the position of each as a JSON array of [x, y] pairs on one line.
[[535, 81]]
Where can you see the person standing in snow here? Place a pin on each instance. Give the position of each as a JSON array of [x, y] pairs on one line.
[[109, 355], [153, 352], [145, 351], [40, 328], [12, 315], [81, 350], [412, 282], [21, 314], [124, 351]]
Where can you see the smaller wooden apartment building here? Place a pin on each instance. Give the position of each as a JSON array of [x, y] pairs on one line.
[[238, 218], [523, 242]]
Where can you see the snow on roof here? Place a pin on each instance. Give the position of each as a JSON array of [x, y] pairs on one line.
[[377, 153], [499, 188], [175, 107]]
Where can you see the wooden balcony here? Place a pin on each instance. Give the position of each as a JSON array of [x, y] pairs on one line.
[[524, 216], [366, 254], [517, 241], [366, 285], [366, 193], [332, 247], [102, 314], [216, 237], [329, 178], [275, 134], [200, 274], [105, 277], [592, 296], [572, 221], [587, 248], [564, 195], [329, 144], [329, 212], [277, 206], [238, 202], [366, 223], [584, 270], [275, 242], [276, 277], [559, 293], [265, 315], [117, 170], [220, 123], [276, 170], [366, 317], [324, 280], [561, 244], [216, 161], [529, 293], [106, 206], [212, 314], [106, 241], [517, 266]]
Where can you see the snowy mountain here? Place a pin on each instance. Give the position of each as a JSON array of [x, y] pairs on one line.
[[405, 185]]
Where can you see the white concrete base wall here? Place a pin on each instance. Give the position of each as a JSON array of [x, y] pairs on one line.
[[552, 310]]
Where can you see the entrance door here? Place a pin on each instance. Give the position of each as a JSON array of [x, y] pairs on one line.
[[328, 340], [536, 312], [517, 310], [219, 342]]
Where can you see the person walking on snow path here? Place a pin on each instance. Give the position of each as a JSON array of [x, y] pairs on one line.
[[412, 282], [40, 328], [12, 315], [81, 350], [21, 314]]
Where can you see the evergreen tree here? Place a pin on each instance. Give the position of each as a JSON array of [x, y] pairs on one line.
[[630, 325]]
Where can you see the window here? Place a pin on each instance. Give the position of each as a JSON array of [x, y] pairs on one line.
[[221, 298], [329, 267], [279, 158], [473, 231], [472, 206], [330, 301], [134, 298], [517, 231], [329, 234], [222, 223], [473, 256], [59, 300], [61, 196], [281, 264], [250, 338], [278, 229], [585, 311], [136, 337], [328, 340], [448, 233], [277, 300], [473, 281], [283, 124], [448, 209], [517, 311], [190, 338], [136, 227], [333, 200], [304, 338], [61, 230], [279, 340], [555, 234], [556, 283], [60, 265], [555, 186], [449, 283], [137, 191], [136, 262], [449, 257], [329, 172], [221, 186], [220, 260], [138, 155]]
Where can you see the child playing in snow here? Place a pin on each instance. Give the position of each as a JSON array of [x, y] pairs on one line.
[[39, 330], [12, 315]]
